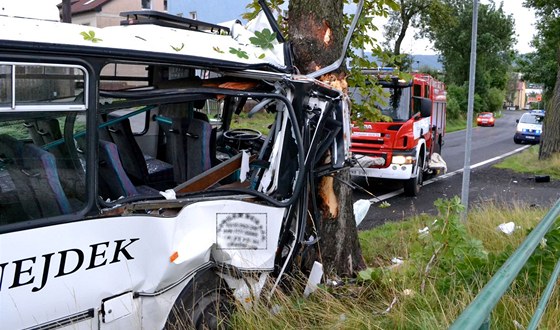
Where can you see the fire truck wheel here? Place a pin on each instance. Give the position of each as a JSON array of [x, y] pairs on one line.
[[205, 303], [412, 185]]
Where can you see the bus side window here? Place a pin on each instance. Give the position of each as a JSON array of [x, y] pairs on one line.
[[39, 177]]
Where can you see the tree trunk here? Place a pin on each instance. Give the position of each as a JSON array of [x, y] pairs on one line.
[[316, 32], [402, 33], [550, 139]]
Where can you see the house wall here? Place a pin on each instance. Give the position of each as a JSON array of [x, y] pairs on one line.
[[110, 12], [520, 100]]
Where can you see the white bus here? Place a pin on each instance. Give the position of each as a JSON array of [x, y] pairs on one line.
[[128, 197]]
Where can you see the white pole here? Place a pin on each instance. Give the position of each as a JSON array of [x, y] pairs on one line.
[[470, 106]]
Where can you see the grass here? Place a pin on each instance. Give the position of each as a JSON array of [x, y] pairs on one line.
[[528, 162], [261, 121], [453, 125], [394, 297]]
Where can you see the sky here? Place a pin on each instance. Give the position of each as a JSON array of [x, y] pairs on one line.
[[522, 16]]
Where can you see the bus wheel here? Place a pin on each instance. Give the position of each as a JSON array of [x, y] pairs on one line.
[[205, 303], [412, 185]]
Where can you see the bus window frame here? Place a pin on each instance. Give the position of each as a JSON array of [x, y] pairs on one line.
[[90, 67], [49, 106]]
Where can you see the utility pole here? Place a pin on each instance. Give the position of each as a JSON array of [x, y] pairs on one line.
[[470, 106], [66, 11]]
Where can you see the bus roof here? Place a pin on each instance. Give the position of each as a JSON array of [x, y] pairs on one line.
[[183, 46]]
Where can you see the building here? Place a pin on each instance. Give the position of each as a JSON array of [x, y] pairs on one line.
[[520, 95], [102, 13]]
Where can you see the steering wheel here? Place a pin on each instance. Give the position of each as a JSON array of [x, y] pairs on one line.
[[242, 134]]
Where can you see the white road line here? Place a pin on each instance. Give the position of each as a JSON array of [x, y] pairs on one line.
[[447, 175]]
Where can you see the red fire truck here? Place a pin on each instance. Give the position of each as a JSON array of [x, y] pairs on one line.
[[407, 147]]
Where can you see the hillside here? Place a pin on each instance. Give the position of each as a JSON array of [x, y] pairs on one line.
[[427, 60], [420, 61]]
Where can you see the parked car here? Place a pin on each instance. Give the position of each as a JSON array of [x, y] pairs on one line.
[[485, 119], [529, 127]]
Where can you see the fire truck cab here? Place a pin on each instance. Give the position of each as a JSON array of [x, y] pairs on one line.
[[407, 147]]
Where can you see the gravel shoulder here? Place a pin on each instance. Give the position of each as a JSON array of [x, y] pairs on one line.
[[487, 184]]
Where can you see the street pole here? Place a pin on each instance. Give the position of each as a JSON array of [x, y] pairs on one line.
[[470, 106], [66, 11]]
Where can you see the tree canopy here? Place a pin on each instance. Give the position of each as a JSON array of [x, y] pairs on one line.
[[537, 66], [449, 27], [408, 15]]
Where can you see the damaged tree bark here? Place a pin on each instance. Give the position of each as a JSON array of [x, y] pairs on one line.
[[550, 139], [317, 33]]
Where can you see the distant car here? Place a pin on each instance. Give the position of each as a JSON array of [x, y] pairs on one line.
[[485, 119], [529, 127]]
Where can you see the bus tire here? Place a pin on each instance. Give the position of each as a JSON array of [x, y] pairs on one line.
[[205, 303]]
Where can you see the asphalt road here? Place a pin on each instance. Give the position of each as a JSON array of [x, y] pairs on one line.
[[488, 146]]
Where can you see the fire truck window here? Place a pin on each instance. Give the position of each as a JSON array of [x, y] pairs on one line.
[[427, 91], [417, 90]]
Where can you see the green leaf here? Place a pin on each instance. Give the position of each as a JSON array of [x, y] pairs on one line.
[[178, 49], [384, 205], [217, 49], [263, 39], [90, 36], [240, 53], [365, 275]]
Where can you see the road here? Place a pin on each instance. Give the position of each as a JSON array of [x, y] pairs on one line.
[[489, 144]]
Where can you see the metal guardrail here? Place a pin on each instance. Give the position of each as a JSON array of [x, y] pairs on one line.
[[477, 313]]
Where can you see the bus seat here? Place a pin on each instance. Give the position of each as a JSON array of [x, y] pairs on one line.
[[141, 170], [35, 178], [190, 145], [44, 179], [44, 131], [47, 130], [11, 208], [113, 181]]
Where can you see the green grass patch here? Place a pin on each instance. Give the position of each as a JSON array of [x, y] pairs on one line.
[[261, 121], [528, 162], [453, 125]]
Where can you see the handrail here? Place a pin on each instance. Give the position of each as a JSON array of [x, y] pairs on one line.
[[60, 141], [478, 311]]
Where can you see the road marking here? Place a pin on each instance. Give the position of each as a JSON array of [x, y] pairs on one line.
[[447, 175]]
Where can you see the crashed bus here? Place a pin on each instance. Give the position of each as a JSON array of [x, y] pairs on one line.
[[128, 197]]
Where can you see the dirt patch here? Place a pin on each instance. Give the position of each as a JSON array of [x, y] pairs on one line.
[[487, 184]]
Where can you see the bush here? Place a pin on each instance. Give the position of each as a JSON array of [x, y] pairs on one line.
[[494, 99]]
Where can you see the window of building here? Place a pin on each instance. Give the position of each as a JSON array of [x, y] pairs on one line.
[[146, 4]]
